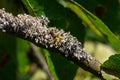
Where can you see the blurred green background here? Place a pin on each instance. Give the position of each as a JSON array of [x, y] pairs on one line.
[[17, 61]]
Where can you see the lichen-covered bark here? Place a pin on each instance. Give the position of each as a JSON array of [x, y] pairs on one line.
[[35, 30]]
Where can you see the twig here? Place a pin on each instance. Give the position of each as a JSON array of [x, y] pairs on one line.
[[41, 60], [35, 29]]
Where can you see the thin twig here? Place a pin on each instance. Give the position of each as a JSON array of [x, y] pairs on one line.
[[41, 60], [35, 29]]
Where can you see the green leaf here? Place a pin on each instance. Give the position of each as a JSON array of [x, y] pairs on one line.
[[50, 64], [81, 14], [93, 22], [107, 10], [112, 65], [112, 14], [22, 48], [65, 69], [34, 8], [60, 67]]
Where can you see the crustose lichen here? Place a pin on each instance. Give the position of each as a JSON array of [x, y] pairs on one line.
[[35, 30]]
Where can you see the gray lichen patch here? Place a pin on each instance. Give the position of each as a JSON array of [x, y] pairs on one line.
[[35, 28]]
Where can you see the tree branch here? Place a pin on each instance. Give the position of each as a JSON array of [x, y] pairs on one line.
[[35, 29]]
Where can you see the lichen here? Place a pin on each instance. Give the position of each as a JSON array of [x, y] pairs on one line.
[[35, 28]]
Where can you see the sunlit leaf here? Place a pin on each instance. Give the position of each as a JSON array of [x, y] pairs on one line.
[[50, 64], [22, 48], [94, 23], [112, 65]]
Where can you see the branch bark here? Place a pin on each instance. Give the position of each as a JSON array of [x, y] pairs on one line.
[[35, 29]]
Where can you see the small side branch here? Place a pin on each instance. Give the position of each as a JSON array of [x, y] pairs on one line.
[[41, 60], [35, 29]]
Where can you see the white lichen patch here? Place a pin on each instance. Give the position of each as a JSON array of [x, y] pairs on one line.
[[35, 28]]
